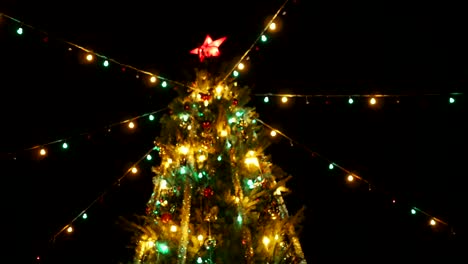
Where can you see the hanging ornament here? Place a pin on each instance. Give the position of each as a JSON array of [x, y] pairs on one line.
[[210, 243], [208, 192], [166, 217], [212, 215], [235, 102]]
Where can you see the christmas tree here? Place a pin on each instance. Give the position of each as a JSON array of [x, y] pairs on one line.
[[217, 197]]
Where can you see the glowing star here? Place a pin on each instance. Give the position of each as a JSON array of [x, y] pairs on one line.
[[209, 48]]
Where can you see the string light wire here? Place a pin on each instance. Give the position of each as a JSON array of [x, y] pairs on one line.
[[347, 171], [247, 52], [70, 223], [95, 53], [13, 154]]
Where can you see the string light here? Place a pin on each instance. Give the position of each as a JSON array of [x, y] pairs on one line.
[[351, 177], [68, 227], [351, 97], [271, 25], [91, 56], [42, 151]]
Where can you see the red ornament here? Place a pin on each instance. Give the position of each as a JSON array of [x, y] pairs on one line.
[[166, 217], [208, 192], [205, 97], [186, 107], [235, 102], [206, 124], [209, 48]]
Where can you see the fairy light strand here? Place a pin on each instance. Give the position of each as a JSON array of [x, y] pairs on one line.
[[70, 223], [138, 70], [354, 95], [247, 52], [87, 133], [350, 173]]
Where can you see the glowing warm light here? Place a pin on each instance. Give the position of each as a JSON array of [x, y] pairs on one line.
[[153, 79], [350, 178], [224, 133], [131, 125], [163, 184], [200, 237], [219, 89], [284, 99], [134, 170], [70, 229], [372, 101], [273, 133], [150, 243], [432, 222], [241, 66], [273, 26], [89, 57], [266, 241], [173, 228], [184, 150], [42, 152], [251, 159], [201, 158]]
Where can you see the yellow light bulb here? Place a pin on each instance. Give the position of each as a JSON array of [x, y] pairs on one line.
[[89, 57], [284, 99], [42, 152], [153, 79], [273, 26], [131, 125], [219, 89], [134, 170], [184, 150]]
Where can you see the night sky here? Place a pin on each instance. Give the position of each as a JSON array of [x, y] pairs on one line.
[[410, 147]]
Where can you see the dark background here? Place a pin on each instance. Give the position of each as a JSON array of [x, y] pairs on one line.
[[411, 147]]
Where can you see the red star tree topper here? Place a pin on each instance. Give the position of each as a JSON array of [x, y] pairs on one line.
[[209, 48]]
